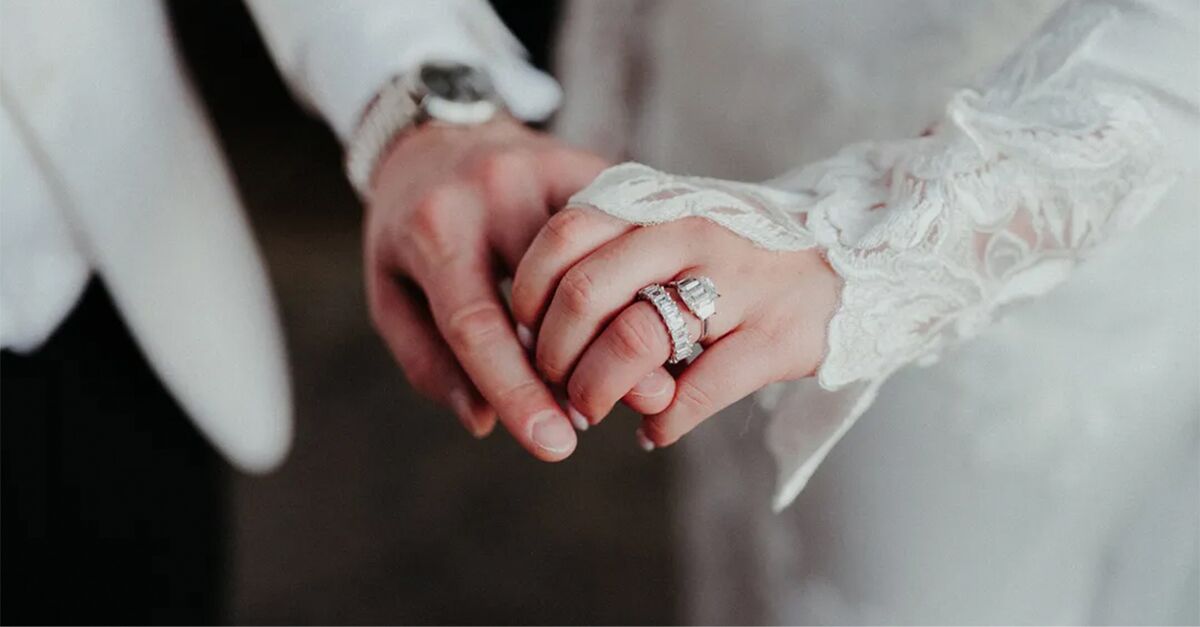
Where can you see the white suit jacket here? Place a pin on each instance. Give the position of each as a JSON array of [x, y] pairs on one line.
[[109, 167]]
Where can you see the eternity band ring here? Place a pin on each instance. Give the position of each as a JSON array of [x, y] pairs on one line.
[[700, 296], [672, 317]]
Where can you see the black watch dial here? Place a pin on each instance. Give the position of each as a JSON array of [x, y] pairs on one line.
[[456, 82]]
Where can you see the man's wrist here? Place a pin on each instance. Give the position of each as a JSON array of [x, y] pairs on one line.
[[389, 114], [428, 140], [452, 93]]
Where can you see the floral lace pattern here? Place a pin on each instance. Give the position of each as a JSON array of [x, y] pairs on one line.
[[933, 235]]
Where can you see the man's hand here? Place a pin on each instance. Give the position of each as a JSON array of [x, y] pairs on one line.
[[452, 211]]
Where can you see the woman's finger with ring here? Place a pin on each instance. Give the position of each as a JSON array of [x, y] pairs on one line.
[[729, 370], [633, 345], [652, 331], [699, 295], [596, 289]]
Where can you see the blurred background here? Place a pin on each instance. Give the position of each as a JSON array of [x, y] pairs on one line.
[[386, 511]]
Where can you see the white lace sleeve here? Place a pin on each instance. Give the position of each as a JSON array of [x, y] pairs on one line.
[[1060, 149]]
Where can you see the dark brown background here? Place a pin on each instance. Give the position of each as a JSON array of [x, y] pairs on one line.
[[386, 511]]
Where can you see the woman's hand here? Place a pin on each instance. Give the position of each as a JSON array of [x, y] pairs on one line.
[[577, 284]]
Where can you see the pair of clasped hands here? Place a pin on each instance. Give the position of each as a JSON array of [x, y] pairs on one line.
[[455, 209]]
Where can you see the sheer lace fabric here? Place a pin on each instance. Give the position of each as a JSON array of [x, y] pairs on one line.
[[933, 235]]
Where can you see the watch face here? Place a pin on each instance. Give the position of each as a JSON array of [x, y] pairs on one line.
[[455, 82], [456, 93]]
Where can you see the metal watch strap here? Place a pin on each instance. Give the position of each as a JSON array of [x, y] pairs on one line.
[[392, 111]]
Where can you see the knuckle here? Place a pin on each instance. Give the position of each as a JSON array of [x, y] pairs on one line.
[[475, 325], [548, 366], [584, 397], [500, 171], [524, 300], [517, 395], [433, 204], [429, 227], [693, 398], [577, 290], [567, 227], [633, 337]]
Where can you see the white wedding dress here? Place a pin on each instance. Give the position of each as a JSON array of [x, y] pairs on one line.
[[1041, 467]]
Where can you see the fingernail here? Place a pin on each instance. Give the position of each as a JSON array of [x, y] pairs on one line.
[[550, 433], [525, 336], [577, 419], [644, 441], [461, 404], [651, 385]]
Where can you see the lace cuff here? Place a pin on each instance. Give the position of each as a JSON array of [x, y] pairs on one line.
[[933, 235]]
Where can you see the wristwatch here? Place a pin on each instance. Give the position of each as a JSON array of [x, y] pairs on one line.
[[440, 91]]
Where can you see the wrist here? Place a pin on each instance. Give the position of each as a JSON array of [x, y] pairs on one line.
[[823, 298], [444, 92], [439, 146]]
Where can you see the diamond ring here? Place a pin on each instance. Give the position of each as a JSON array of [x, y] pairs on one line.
[[681, 348], [700, 296]]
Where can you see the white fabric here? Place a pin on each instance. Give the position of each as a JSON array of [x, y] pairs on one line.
[[1052, 155], [337, 55], [1023, 477], [109, 167], [42, 269], [124, 180]]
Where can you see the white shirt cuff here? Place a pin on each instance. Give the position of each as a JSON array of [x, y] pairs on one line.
[[337, 56]]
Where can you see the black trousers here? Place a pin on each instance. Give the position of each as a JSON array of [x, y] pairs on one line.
[[113, 507]]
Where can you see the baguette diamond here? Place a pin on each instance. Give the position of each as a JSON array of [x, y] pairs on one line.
[[672, 317], [700, 296]]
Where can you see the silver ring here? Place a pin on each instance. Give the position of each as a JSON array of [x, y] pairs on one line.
[[681, 347], [700, 296]]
